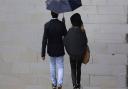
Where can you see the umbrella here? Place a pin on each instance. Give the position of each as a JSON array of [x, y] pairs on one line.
[[61, 6]]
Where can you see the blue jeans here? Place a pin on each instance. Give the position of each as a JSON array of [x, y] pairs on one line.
[[59, 63]]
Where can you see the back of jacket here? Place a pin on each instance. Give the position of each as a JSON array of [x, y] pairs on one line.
[[54, 31], [75, 41]]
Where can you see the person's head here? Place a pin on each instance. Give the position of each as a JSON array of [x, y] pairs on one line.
[[54, 15], [76, 20]]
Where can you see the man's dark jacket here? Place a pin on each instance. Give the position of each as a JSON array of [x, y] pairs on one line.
[[75, 41], [54, 30]]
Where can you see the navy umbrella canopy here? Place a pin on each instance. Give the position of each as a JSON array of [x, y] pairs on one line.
[[61, 6]]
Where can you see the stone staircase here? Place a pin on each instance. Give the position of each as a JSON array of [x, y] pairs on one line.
[[21, 30]]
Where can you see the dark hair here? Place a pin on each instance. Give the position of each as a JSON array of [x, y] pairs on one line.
[[54, 15], [76, 20]]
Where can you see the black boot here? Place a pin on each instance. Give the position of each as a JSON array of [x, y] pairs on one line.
[[78, 86], [74, 86]]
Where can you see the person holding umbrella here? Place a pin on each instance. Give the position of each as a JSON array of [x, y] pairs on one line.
[[54, 31], [75, 42], [62, 6]]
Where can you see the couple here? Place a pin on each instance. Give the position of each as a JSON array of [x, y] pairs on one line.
[[75, 40]]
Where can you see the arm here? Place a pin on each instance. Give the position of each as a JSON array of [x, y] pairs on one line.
[[44, 42]]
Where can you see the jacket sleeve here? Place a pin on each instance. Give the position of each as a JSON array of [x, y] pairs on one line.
[[44, 41]]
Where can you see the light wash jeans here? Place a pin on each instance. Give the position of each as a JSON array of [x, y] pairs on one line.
[[57, 62]]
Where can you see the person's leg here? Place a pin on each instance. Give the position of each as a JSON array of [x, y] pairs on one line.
[[73, 70], [60, 66], [53, 71], [79, 63]]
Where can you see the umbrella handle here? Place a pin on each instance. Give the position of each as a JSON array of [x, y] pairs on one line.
[[63, 19], [63, 15]]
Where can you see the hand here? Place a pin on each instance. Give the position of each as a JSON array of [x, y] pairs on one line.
[[43, 58]]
